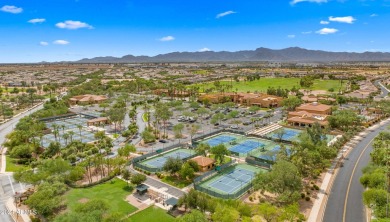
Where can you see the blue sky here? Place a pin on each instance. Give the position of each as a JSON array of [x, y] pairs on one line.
[[57, 30]]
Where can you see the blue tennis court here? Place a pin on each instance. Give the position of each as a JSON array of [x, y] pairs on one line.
[[271, 155], [246, 146], [232, 181], [220, 139], [289, 134], [159, 161]]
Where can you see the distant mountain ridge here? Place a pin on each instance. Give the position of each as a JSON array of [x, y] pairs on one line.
[[292, 54]]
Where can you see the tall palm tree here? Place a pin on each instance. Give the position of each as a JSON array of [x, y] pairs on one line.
[[71, 133], [80, 127], [55, 132], [66, 137]]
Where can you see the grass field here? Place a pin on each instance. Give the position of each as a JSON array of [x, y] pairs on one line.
[[262, 84], [151, 214], [114, 192], [11, 165]]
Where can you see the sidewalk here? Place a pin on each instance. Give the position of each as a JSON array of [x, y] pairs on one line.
[[3, 160], [16, 214]]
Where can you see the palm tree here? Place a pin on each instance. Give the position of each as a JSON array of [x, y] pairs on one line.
[[63, 128], [71, 133], [80, 127], [66, 137], [55, 132]]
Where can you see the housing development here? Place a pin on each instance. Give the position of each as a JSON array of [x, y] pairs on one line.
[[206, 111]]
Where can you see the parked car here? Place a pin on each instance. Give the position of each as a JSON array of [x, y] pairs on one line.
[[234, 127], [163, 141], [191, 119]]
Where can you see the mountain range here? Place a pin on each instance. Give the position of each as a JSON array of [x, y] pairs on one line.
[[292, 54]]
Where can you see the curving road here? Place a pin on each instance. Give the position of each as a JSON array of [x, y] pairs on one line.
[[8, 186], [345, 201], [385, 91]]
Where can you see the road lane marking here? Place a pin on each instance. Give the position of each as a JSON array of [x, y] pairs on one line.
[[350, 179]]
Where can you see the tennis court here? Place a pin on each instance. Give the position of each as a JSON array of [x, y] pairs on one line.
[[271, 155], [232, 180], [288, 134], [221, 139], [70, 126], [158, 162], [246, 146]]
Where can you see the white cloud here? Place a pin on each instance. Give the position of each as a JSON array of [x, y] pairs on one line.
[[37, 20], [69, 24], [324, 22], [346, 19], [43, 43], [290, 36], [293, 2], [223, 14], [326, 31], [11, 9], [374, 15], [61, 42], [204, 50], [167, 38], [306, 33]]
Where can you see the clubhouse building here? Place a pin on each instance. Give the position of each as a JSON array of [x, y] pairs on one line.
[[308, 114], [245, 99]]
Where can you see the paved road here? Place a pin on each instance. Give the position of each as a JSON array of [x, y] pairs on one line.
[[7, 127], [357, 159], [385, 91], [5, 185]]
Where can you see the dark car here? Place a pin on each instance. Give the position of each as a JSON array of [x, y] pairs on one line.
[[216, 124], [163, 141]]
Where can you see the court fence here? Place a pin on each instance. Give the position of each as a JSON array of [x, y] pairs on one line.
[[196, 140], [258, 162], [145, 156], [53, 118], [136, 161], [198, 181], [211, 173], [246, 188]]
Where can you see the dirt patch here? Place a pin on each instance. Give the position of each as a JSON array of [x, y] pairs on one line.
[[83, 200]]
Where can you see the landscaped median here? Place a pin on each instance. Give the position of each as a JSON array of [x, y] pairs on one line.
[[12, 165], [145, 117]]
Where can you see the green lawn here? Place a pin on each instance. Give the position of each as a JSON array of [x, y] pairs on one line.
[[175, 181], [12, 166], [262, 84], [114, 192], [151, 214]]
